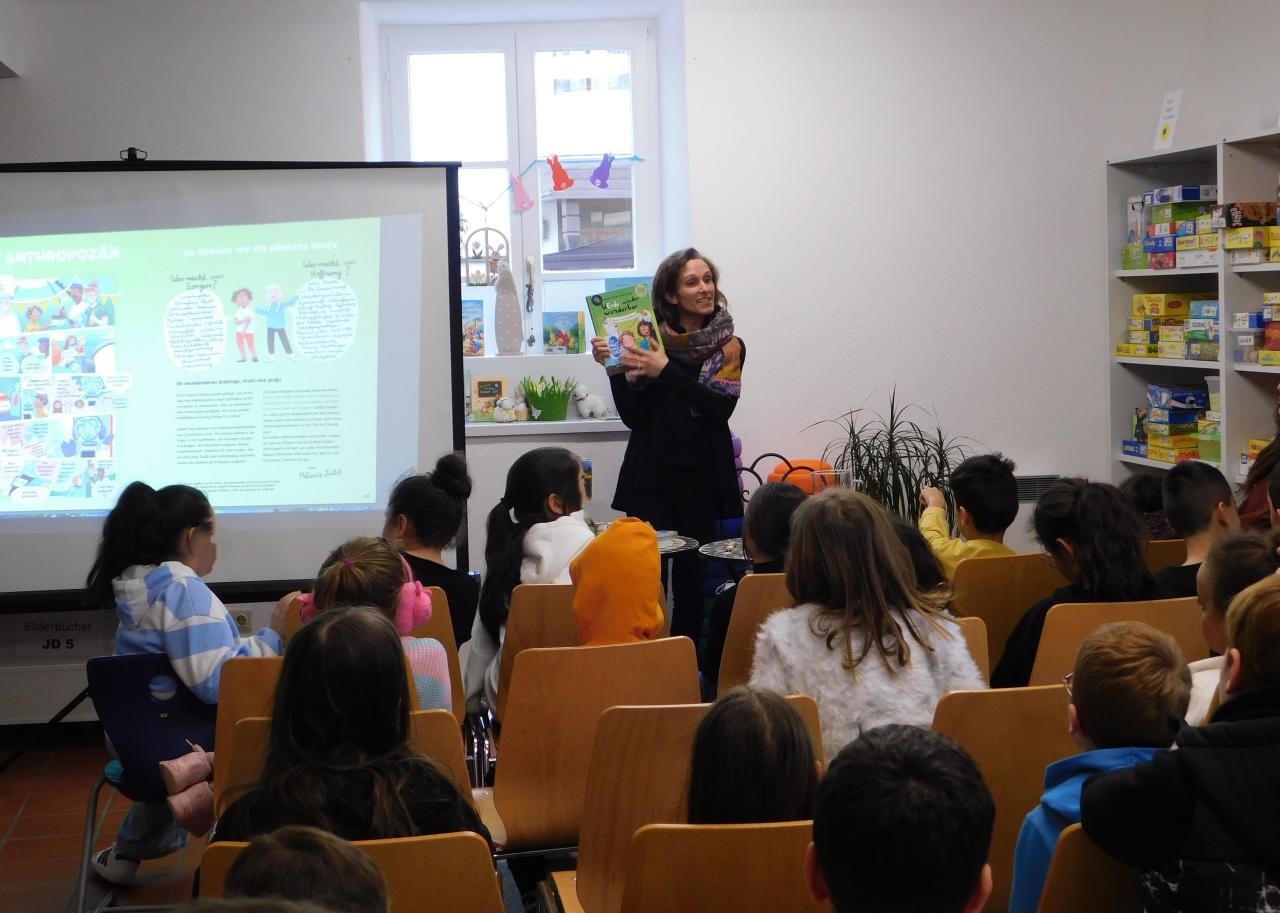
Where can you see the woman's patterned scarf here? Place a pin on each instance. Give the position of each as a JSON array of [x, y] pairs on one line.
[[714, 349]]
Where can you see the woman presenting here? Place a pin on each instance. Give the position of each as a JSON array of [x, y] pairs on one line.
[[678, 472]]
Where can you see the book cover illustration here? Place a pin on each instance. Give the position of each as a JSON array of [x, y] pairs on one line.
[[562, 333], [472, 326], [624, 317]]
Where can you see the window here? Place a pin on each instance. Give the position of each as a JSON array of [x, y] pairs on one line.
[[503, 100]]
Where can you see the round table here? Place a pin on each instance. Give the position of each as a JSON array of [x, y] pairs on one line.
[[726, 550]]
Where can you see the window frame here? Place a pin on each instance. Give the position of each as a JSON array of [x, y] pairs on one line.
[[520, 42]]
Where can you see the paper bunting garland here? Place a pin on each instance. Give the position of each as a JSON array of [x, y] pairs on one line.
[[600, 177], [519, 196]]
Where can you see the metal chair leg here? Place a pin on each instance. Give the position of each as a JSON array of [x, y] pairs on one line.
[[90, 831]]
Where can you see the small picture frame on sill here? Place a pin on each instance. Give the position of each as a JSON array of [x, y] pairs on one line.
[[485, 391]]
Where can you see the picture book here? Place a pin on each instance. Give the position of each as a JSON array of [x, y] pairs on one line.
[[624, 316], [562, 333], [472, 326]]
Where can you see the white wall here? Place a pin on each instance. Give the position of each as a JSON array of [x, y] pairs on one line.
[[912, 194], [11, 57]]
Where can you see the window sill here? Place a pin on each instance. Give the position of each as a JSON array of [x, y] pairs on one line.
[[568, 426]]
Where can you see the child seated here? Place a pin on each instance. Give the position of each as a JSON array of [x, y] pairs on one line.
[[1201, 821], [863, 640], [369, 572], [617, 580], [986, 496], [1144, 493], [903, 822], [306, 863], [766, 534], [1129, 687], [1235, 561], [753, 761], [1099, 544], [1198, 502]]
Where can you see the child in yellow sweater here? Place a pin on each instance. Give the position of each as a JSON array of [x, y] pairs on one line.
[[986, 497], [617, 582]]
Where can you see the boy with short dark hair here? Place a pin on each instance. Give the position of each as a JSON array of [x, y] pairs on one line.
[[1129, 687], [1201, 821], [1201, 509], [986, 496], [902, 822]]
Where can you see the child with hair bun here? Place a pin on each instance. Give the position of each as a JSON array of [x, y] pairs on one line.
[[424, 514], [369, 572]]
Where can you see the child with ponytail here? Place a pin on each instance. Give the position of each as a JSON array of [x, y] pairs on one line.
[[156, 546], [369, 572], [1098, 542], [533, 533], [424, 514]]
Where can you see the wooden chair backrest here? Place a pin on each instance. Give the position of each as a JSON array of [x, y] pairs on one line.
[[756, 597], [719, 868], [999, 590], [541, 615], [974, 630], [435, 733], [1068, 624], [556, 698], [1083, 877], [639, 775], [1163, 553], [247, 687], [1013, 734], [442, 873], [440, 626]]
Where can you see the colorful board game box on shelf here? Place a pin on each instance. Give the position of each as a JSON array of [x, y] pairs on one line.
[[1197, 259], [1168, 304], [1251, 257], [1268, 358], [1168, 260], [1242, 215], [1244, 238], [1160, 245], [1171, 441], [1132, 256], [1134, 448], [1137, 350], [1134, 210], [1166, 455], [1184, 193], [1203, 351], [1247, 346], [1177, 212], [1173, 396], [1258, 444], [1162, 415], [1172, 349], [1246, 320], [1204, 309]]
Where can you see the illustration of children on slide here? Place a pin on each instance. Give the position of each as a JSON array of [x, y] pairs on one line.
[[245, 321], [275, 312]]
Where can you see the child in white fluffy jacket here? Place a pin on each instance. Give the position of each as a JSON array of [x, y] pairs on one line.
[[535, 530], [864, 641]]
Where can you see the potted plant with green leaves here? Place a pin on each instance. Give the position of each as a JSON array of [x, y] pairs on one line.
[[548, 398], [890, 457]]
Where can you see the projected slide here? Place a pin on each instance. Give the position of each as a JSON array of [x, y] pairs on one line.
[[239, 359]]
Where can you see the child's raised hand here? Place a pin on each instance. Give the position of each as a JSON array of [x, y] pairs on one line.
[[932, 497]]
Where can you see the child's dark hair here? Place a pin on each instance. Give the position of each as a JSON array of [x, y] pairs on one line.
[[985, 487], [767, 524], [306, 863], [1191, 493], [532, 478], [433, 502], [1273, 487], [1236, 562], [145, 527], [929, 573], [753, 761], [1143, 492], [897, 802], [1108, 538]]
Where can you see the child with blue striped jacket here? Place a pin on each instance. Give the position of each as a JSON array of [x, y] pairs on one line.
[[156, 546]]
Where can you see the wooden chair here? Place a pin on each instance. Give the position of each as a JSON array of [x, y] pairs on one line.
[[439, 626], [246, 688], [756, 598], [639, 775], [541, 615], [435, 733], [1083, 877], [1068, 624], [974, 630], [999, 590], [556, 698], [1013, 734], [1163, 553], [443, 873], [719, 868]]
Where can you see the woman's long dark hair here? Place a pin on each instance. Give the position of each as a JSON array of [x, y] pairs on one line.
[[532, 478], [1108, 537], [144, 527], [666, 279], [753, 761], [341, 713]]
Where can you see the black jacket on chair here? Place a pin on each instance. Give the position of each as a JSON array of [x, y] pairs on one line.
[[1203, 822]]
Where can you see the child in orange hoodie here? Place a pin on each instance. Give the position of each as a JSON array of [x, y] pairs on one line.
[[618, 585]]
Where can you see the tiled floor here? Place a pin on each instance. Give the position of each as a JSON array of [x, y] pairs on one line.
[[43, 799]]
